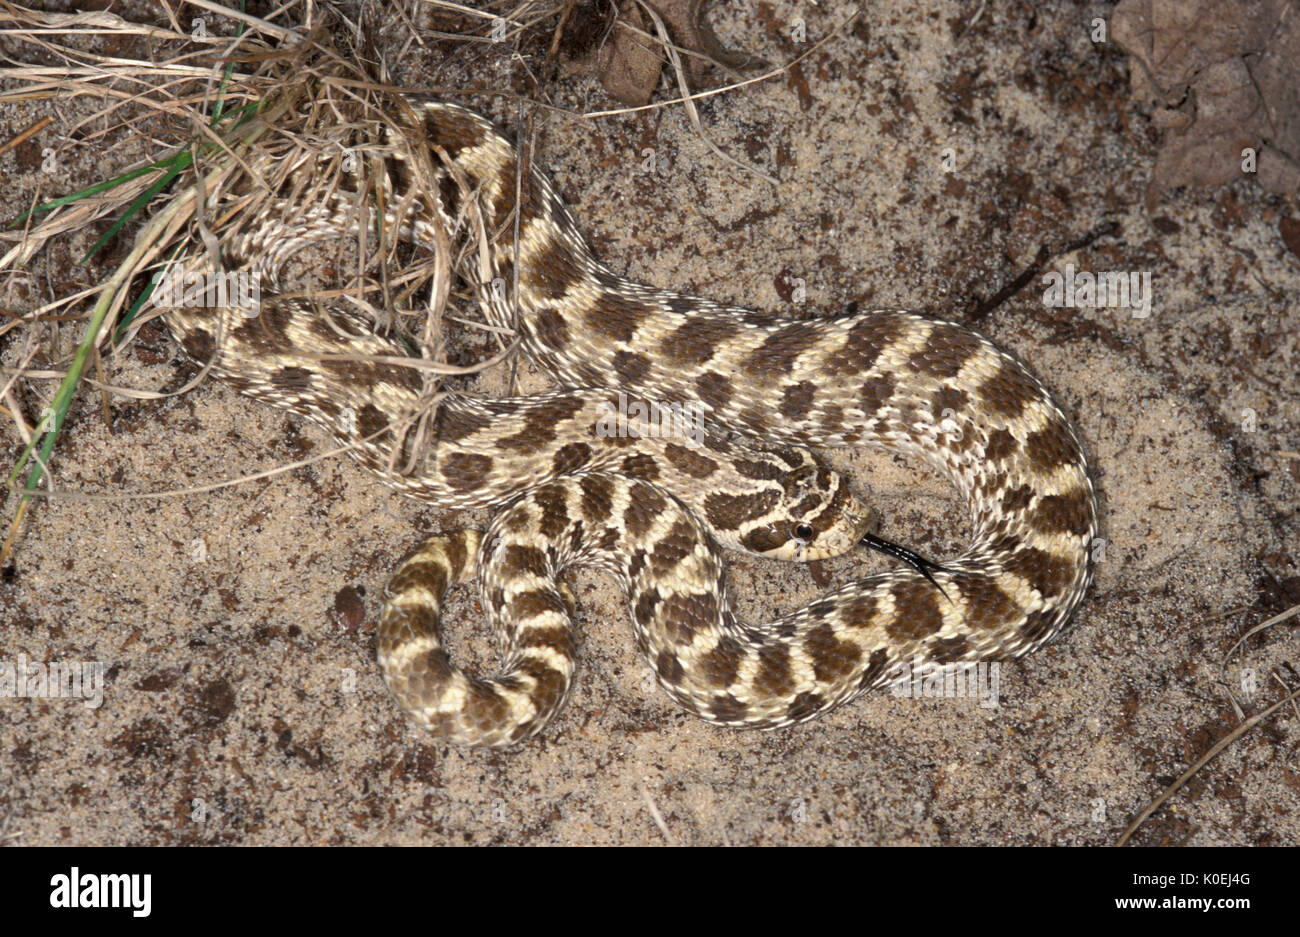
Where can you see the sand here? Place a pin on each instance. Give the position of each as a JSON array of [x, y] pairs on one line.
[[242, 703]]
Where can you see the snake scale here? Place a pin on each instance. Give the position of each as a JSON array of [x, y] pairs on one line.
[[655, 512]]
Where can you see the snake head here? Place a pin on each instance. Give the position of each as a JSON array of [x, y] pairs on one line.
[[817, 516]]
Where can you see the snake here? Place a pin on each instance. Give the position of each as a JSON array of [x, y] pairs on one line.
[[657, 512]]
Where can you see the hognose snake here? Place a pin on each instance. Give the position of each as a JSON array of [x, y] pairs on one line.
[[882, 378]]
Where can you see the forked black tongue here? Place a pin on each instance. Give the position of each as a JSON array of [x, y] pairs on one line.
[[915, 560]]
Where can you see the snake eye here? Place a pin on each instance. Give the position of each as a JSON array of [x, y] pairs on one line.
[[803, 532]]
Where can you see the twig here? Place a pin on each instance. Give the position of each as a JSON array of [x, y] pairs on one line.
[[27, 134], [1289, 613], [1202, 762], [1035, 267]]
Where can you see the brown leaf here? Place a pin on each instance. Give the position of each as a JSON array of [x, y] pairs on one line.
[[1171, 40], [629, 63], [1223, 77], [1229, 118]]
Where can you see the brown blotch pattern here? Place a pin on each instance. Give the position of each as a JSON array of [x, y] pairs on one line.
[[1009, 391], [721, 664], [860, 612], [953, 400], [533, 197], [457, 552], [532, 603], [520, 559], [555, 514], [558, 638], [760, 470], [1017, 499], [714, 390], [452, 130], [672, 549], [198, 344], [682, 614], [945, 351], [449, 193], [949, 650], [571, 457], [464, 471], [782, 347], [832, 659], [540, 423], [989, 606], [804, 706], [689, 462], [877, 668], [1000, 445], [876, 391], [1051, 447], [617, 316], [554, 273], [727, 708], [268, 330], [644, 505], [551, 329], [597, 492], [668, 667], [1049, 575], [369, 373], [696, 340], [455, 423], [797, 400], [550, 683], [631, 366], [916, 611], [862, 346], [773, 676], [639, 465], [728, 512], [371, 422], [417, 572], [1064, 514], [291, 378]]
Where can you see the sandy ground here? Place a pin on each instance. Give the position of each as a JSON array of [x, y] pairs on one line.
[[242, 703]]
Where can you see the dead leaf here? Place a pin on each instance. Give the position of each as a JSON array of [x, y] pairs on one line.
[[1222, 78], [1229, 118], [629, 63]]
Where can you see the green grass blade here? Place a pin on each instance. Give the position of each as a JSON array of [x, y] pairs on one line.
[[52, 420], [85, 193], [180, 162]]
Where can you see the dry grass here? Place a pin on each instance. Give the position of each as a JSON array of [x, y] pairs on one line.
[[261, 125]]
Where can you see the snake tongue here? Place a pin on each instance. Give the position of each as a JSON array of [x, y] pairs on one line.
[[915, 560]]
